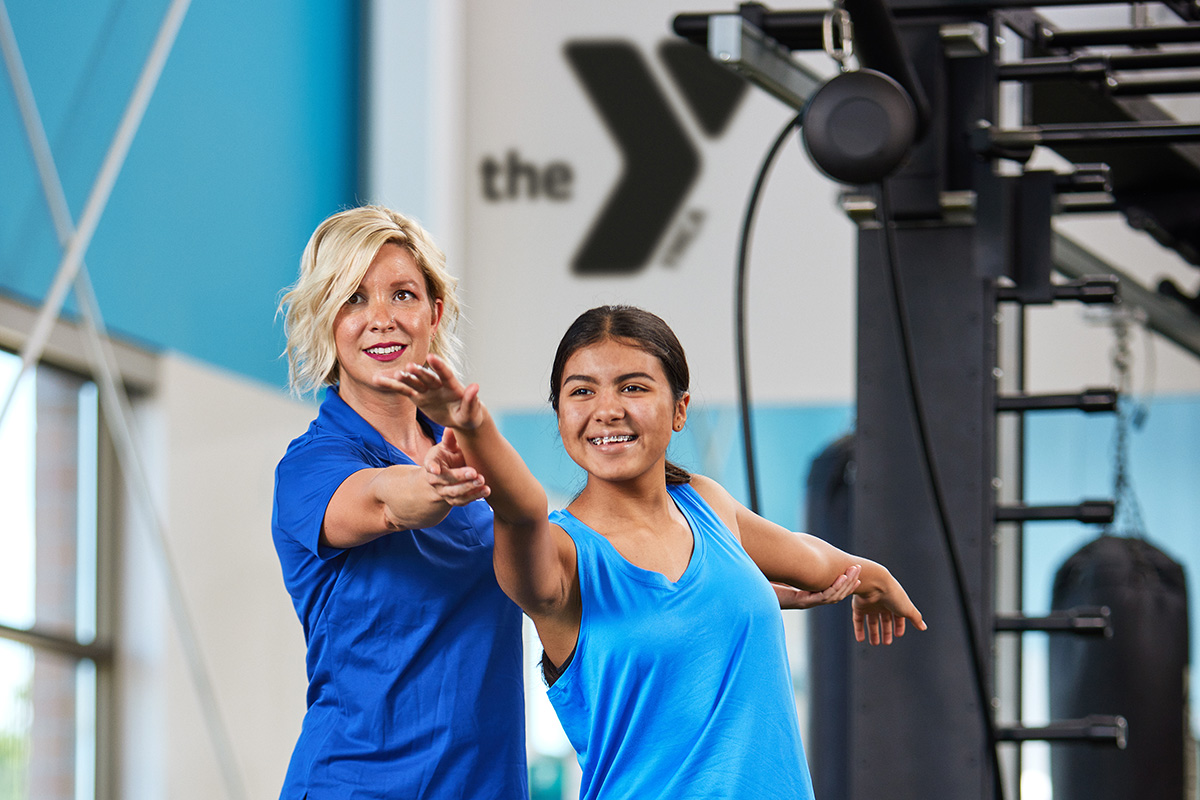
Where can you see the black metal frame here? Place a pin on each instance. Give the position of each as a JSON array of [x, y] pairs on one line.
[[913, 715]]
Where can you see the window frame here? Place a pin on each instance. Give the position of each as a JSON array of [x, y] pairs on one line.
[[66, 349]]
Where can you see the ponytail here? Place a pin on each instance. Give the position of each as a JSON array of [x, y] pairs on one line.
[[677, 475]]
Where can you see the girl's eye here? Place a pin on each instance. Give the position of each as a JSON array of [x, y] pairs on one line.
[[580, 391], [404, 294], [633, 387], [354, 299]]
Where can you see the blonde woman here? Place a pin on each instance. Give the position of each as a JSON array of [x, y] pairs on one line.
[[414, 652]]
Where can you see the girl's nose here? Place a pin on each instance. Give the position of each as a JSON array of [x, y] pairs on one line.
[[608, 407]]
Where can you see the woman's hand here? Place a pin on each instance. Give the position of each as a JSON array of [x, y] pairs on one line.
[[880, 615], [839, 590], [437, 391], [447, 472]]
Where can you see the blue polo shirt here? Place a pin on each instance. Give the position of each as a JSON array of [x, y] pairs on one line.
[[414, 653]]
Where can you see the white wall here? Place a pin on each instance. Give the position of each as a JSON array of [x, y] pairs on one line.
[[523, 96], [1070, 346], [213, 440]]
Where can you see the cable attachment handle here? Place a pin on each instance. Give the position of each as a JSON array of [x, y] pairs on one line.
[[837, 36]]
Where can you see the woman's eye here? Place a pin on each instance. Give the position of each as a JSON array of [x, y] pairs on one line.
[[354, 299], [580, 391], [404, 294], [633, 387]]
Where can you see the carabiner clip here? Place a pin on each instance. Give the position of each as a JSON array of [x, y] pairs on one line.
[[837, 35]]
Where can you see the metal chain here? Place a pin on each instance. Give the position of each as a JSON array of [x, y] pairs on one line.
[[1127, 520]]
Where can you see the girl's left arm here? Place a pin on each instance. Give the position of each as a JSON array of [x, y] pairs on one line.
[[881, 606]]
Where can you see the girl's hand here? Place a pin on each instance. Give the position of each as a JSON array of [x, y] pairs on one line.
[[839, 590], [447, 472], [437, 391], [881, 616]]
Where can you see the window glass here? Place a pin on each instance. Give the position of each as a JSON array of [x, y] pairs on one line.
[[48, 585], [16, 718], [16, 498]]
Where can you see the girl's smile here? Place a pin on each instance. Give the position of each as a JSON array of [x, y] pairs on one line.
[[617, 411]]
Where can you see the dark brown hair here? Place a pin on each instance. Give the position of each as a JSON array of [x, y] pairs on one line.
[[638, 328]]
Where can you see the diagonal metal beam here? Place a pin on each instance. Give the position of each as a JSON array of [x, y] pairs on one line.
[[1165, 316], [118, 415], [110, 168], [745, 49]]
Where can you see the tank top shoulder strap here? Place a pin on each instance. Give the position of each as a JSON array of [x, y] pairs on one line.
[[567, 521], [583, 536], [698, 509]]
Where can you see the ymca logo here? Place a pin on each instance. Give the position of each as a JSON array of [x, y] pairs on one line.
[[660, 162]]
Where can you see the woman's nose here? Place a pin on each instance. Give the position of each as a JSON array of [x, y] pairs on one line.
[[381, 317]]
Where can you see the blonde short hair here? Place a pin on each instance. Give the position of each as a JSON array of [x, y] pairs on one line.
[[334, 262]]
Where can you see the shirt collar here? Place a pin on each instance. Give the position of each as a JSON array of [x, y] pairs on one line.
[[336, 415]]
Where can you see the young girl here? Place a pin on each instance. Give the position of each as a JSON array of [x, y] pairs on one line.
[[651, 593]]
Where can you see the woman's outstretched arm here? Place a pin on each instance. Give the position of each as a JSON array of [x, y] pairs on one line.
[[376, 501]]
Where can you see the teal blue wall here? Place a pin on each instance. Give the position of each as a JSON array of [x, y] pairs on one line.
[[249, 141], [1070, 456]]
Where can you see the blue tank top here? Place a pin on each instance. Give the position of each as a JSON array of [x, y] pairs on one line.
[[681, 689]]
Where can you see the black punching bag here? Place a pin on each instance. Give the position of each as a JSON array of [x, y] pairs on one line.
[[830, 636], [1140, 673]]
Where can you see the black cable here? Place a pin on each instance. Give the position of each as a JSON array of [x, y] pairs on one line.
[[918, 406], [897, 294], [740, 306]]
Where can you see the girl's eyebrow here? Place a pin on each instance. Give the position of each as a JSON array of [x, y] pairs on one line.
[[627, 376]]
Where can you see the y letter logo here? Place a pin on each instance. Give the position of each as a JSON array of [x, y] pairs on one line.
[[661, 163]]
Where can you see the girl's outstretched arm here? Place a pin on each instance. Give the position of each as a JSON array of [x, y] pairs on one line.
[[881, 607], [530, 557]]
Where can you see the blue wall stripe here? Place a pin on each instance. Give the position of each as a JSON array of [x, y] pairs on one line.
[[249, 141], [1069, 457]]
